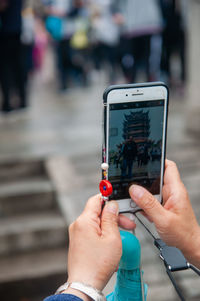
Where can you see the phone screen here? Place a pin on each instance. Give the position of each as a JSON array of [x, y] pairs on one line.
[[135, 145]]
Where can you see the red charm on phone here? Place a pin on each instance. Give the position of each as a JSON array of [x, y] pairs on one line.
[[105, 188]]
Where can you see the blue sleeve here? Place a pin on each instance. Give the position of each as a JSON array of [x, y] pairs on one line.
[[62, 297]]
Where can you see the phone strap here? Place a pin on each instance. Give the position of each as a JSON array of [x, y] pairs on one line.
[[173, 259]]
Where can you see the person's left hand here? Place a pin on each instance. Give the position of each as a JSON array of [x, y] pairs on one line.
[[95, 245]]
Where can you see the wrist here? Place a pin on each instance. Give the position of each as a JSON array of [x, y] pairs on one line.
[[91, 280], [84, 291], [77, 293]]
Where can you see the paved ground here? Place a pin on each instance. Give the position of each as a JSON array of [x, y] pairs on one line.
[[66, 130]]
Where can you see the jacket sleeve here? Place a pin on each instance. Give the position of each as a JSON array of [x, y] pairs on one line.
[[62, 297]]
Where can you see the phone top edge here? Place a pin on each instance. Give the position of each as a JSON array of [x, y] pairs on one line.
[[129, 86]]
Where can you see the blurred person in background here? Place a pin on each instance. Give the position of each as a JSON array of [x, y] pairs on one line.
[[40, 45], [104, 37], [11, 63], [67, 24], [174, 38], [79, 42], [141, 27], [28, 40], [56, 12]]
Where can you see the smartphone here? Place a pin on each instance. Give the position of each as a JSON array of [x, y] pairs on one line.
[[134, 144]]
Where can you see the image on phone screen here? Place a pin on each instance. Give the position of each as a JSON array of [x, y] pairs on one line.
[[135, 145]]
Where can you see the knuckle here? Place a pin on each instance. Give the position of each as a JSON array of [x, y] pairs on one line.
[[181, 193], [168, 223], [78, 224], [109, 222], [71, 230], [96, 197], [90, 200], [149, 202], [111, 219], [184, 191], [172, 163], [71, 227]]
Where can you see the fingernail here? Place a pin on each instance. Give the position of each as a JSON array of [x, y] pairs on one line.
[[112, 207], [137, 192]]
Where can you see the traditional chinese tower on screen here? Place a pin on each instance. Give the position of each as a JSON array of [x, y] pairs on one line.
[[137, 125]]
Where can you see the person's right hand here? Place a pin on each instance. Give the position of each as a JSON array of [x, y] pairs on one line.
[[175, 221]]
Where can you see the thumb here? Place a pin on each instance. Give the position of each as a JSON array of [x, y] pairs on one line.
[[146, 201], [109, 218]]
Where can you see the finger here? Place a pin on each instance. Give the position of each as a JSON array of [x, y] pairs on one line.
[[172, 179], [93, 206], [146, 201], [109, 218], [145, 215], [125, 223], [171, 175]]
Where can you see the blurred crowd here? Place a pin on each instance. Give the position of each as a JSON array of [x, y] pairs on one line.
[[130, 39]]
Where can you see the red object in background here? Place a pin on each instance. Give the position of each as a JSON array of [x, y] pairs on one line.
[[105, 188]]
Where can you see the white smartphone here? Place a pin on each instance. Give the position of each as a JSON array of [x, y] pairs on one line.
[[135, 125]]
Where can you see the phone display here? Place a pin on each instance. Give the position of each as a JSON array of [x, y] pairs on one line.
[[135, 145], [135, 133]]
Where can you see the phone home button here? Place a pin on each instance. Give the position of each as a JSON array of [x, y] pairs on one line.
[[132, 204]]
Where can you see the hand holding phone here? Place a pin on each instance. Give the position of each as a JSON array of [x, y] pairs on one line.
[[135, 121]]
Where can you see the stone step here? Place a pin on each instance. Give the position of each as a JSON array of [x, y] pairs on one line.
[[29, 195], [13, 169], [32, 232], [32, 276]]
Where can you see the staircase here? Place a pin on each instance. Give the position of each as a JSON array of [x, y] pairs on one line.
[[33, 233]]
